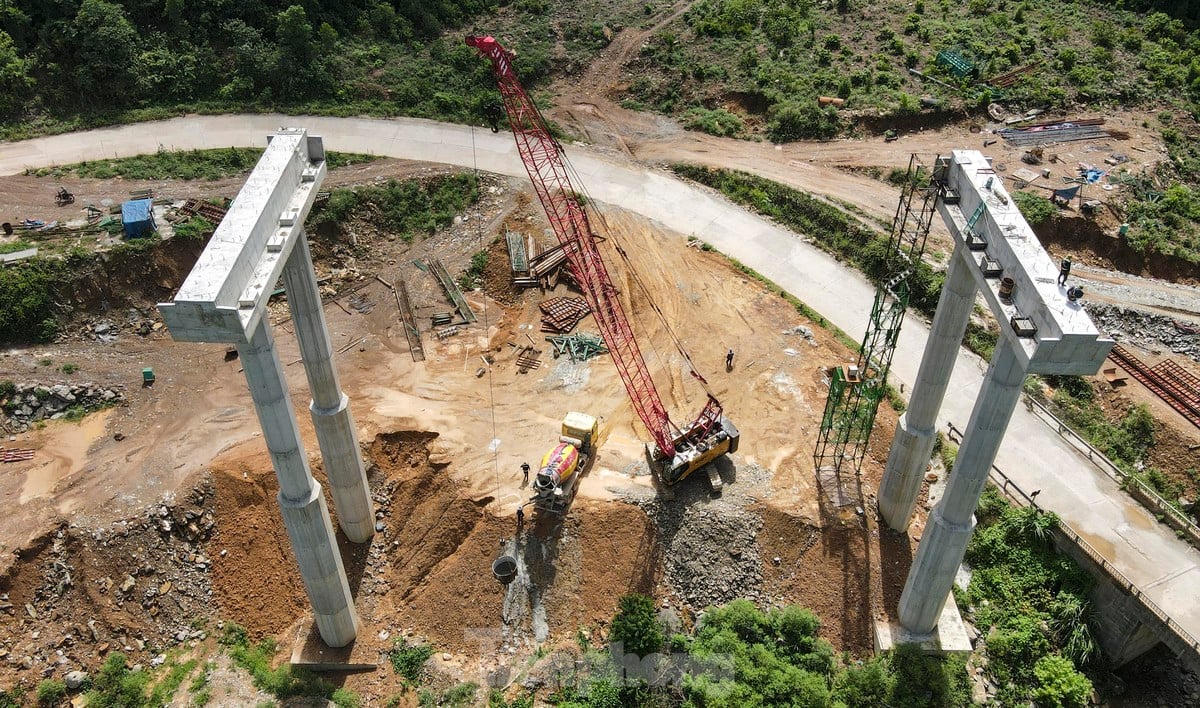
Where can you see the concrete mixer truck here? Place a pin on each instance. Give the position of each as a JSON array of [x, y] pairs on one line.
[[558, 475]]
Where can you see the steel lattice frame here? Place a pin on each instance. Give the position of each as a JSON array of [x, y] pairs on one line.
[[851, 406], [547, 169]]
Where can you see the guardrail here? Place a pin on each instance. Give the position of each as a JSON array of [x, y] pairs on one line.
[[1017, 495], [1181, 520]]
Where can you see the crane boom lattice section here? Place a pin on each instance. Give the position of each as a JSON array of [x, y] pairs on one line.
[[547, 169]]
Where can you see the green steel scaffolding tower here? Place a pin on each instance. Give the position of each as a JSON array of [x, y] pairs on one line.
[[856, 390]]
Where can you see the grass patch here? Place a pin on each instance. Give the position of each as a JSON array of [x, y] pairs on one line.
[[165, 689], [408, 207], [473, 275], [284, 681], [408, 660], [14, 246], [196, 228], [212, 164]]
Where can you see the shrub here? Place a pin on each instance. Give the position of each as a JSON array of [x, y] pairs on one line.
[[50, 692], [636, 626], [797, 120], [1059, 684], [719, 122], [408, 660], [1034, 207]]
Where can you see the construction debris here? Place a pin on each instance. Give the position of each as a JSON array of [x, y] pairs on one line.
[[1055, 132], [15, 455], [1008, 79], [561, 314], [408, 321], [451, 288], [579, 347], [528, 358], [195, 207]]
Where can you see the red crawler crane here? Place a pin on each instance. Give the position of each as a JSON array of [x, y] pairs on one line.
[[678, 451]]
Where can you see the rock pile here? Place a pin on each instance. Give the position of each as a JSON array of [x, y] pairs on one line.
[[137, 587], [1154, 332], [108, 328], [710, 545], [27, 403]]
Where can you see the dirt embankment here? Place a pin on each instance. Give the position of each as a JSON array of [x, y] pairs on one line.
[[1099, 246]]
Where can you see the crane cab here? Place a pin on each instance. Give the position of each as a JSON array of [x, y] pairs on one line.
[[696, 448]]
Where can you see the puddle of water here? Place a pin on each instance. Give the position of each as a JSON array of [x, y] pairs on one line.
[[64, 452]]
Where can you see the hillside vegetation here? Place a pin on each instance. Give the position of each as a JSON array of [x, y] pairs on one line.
[[763, 63], [75, 63]]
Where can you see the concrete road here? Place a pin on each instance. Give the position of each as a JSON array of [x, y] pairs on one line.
[[1034, 456]]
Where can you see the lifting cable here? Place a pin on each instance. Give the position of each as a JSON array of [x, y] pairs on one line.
[[637, 278], [495, 443]]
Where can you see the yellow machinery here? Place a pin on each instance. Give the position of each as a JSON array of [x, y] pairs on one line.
[[558, 475]]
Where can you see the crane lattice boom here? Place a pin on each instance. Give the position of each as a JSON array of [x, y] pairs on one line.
[[547, 168]]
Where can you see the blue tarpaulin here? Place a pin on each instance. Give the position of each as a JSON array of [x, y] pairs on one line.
[[1067, 194], [137, 216]]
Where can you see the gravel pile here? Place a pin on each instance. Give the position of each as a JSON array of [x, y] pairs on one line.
[[1154, 332], [26, 403], [710, 545]]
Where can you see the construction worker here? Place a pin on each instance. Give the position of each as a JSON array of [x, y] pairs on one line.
[[1064, 270], [729, 360], [524, 473], [520, 517]]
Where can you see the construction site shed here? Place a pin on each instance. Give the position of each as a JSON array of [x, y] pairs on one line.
[[137, 217]]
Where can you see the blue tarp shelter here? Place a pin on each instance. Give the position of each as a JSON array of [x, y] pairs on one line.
[[137, 217]]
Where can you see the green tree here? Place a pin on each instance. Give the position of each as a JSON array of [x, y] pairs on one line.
[[636, 625], [106, 45], [15, 82]]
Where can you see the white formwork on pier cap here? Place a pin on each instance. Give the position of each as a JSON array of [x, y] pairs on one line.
[[224, 299], [1043, 330]]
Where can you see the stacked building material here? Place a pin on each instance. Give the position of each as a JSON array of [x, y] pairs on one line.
[[579, 347], [561, 314], [1060, 132], [528, 358], [194, 207]]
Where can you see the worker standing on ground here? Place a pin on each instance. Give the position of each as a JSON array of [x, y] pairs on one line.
[[1064, 270], [729, 360], [520, 518], [524, 473]]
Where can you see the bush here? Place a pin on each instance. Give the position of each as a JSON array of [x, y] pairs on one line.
[[408, 660], [1059, 684], [636, 626], [50, 692], [719, 122], [1034, 207], [798, 120]]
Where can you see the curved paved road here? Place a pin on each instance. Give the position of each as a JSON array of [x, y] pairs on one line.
[[1149, 554]]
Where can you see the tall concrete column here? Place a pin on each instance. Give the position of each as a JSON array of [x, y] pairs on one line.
[[950, 524], [913, 443], [330, 407], [304, 511]]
